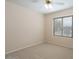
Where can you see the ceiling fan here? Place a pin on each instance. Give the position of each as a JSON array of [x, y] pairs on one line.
[[48, 3], [52, 1]]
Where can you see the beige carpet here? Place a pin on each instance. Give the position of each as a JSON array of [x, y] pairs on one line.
[[42, 51]]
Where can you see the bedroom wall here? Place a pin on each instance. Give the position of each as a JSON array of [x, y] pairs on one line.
[[24, 27], [49, 37]]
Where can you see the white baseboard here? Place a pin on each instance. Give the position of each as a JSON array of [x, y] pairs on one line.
[[28, 45]]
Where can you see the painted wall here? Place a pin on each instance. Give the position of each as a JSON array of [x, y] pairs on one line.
[[49, 37], [24, 27]]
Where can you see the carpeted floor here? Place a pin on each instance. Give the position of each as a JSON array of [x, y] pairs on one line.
[[42, 51]]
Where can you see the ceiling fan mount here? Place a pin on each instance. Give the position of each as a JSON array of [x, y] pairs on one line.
[[48, 1]]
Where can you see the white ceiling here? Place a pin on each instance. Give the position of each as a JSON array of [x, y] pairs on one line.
[[38, 5]]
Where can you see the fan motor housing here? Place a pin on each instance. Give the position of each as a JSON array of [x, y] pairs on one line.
[[48, 1]]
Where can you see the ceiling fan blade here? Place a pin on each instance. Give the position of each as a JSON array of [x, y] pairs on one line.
[[34, 1], [60, 3]]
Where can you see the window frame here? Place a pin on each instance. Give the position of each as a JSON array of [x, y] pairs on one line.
[[62, 26]]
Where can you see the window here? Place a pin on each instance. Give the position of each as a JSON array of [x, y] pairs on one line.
[[63, 26]]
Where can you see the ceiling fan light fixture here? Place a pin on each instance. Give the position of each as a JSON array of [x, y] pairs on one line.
[[48, 4]]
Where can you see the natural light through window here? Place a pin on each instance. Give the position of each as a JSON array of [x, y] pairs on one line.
[[63, 26]]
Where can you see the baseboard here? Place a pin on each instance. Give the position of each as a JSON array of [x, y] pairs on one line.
[[28, 45], [60, 44]]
